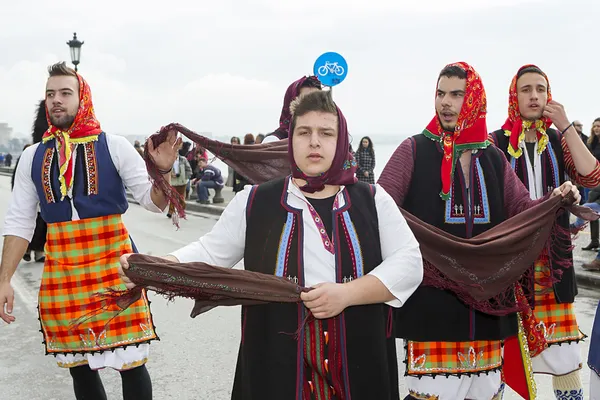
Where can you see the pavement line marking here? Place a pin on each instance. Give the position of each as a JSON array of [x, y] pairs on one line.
[[21, 289]]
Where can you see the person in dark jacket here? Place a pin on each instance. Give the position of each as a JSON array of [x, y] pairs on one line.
[[40, 125], [593, 203], [207, 177], [593, 143]]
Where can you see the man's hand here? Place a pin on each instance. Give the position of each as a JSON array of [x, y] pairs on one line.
[[556, 112], [124, 265], [7, 298], [367, 173], [166, 153], [327, 300], [564, 190]]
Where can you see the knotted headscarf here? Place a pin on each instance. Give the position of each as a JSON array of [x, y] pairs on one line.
[[515, 127], [85, 129], [470, 132], [343, 167]]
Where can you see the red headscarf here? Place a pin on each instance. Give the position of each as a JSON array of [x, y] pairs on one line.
[[470, 132], [515, 127], [84, 129], [290, 94], [343, 167]]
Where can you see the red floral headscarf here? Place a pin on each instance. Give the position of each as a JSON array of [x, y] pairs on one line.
[[471, 129], [515, 127], [84, 129]]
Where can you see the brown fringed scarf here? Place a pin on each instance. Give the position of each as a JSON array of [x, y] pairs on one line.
[[480, 270], [258, 162], [210, 286]]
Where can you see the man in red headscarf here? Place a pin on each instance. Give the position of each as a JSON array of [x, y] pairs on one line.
[[77, 175], [542, 157], [302, 86], [450, 177]]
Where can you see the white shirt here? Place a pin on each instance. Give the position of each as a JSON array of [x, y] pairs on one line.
[[401, 270], [22, 211]]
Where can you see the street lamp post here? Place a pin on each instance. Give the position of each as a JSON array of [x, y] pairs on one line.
[[75, 46]]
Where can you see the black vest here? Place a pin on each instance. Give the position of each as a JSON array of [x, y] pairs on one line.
[[566, 289], [270, 360], [432, 314]]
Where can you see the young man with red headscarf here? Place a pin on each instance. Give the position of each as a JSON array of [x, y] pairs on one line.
[[304, 85], [346, 240], [77, 175], [450, 177], [542, 157]]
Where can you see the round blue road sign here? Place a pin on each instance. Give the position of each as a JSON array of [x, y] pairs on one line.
[[331, 69]]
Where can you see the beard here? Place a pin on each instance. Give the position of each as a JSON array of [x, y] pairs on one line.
[[64, 122], [448, 127]]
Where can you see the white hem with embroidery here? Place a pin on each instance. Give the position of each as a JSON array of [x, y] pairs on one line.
[[120, 359]]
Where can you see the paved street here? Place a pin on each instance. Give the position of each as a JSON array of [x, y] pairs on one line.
[[195, 358]]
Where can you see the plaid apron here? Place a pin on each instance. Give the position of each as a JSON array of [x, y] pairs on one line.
[[555, 321], [82, 258], [431, 358]]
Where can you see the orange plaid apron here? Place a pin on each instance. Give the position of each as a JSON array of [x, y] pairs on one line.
[[82, 258], [431, 358], [555, 321]]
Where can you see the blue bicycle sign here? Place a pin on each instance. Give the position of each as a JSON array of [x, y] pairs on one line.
[[331, 69]]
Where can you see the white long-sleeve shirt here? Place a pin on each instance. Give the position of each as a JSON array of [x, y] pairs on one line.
[[401, 270], [22, 211]]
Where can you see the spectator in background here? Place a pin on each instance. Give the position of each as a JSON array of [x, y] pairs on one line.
[[365, 158], [180, 174], [138, 147], [259, 138], [8, 160], [230, 178], [593, 143], [579, 128], [249, 139], [207, 177], [239, 181]]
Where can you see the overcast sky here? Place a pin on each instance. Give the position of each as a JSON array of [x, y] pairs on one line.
[[223, 66]]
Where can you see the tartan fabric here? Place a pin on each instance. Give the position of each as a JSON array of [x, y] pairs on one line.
[[431, 358], [557, 322], [82, 258]]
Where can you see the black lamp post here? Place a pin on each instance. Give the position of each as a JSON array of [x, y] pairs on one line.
[[75, 46]]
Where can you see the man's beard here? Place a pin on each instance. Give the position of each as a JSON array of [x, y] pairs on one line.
[[447, 127], [62, 123]]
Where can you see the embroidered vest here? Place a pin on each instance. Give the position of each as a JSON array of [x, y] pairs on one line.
[[432, 314], [553, 175], [271, 360], [97, 187]]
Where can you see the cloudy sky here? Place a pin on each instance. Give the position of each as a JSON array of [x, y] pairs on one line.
[[223, 66]]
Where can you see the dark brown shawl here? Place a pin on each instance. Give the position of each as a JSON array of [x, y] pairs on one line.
[[480, 270]]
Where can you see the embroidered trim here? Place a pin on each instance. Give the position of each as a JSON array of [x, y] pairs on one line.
[[455, 213], [353, 242], [554, 165], [526, 358], [91, 168], [72, 364], [284, 245], [327, 243], [46, 169], [423, 396]]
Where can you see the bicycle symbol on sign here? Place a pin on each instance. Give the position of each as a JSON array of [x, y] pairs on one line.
[[332, 68]]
